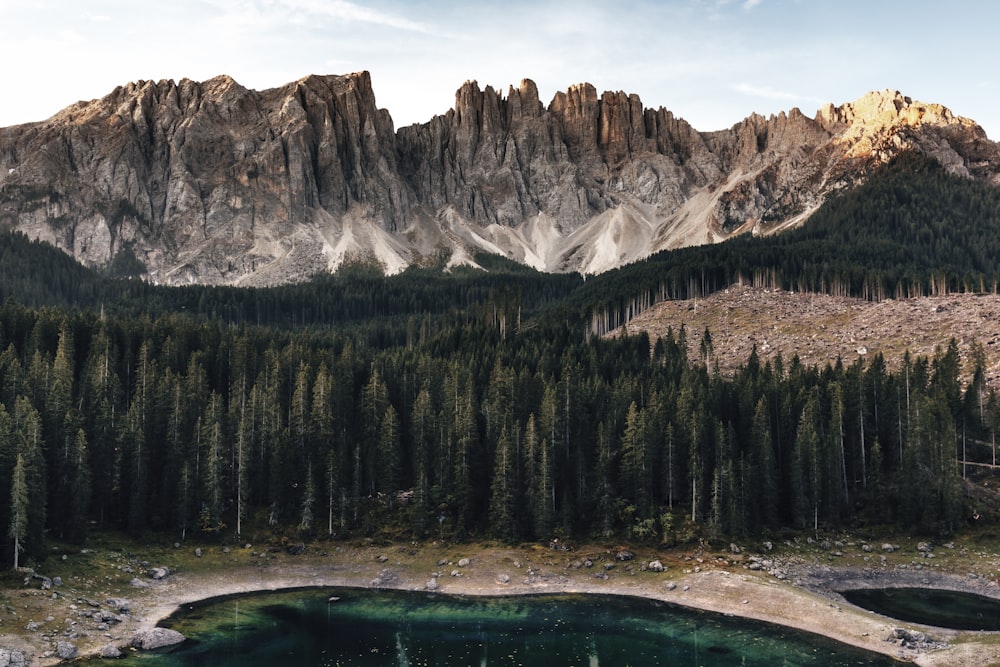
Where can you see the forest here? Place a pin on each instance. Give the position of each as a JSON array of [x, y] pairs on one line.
[[480, 404]]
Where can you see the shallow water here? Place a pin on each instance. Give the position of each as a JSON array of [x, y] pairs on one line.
[[930, 606], [366, 628]]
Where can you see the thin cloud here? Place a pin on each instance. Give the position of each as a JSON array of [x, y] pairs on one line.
[[750, 4], [310, 10], [769, 93]]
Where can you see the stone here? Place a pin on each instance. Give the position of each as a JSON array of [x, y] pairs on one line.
[[503, 579], [66, 651], [464, 562], [158, 573], [12, 658], [154, 638], [107, 617], [432, 584], [198, 552], [111, 652], [122, 605], [656, 566]]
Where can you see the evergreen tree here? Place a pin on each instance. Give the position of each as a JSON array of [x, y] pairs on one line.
[[27, 432], [79, 489], [19, 506], [502, 492]]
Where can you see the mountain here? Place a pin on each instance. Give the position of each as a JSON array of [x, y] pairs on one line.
[[213, 183]]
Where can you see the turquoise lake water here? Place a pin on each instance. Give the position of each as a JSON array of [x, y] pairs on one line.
[[365, 628]]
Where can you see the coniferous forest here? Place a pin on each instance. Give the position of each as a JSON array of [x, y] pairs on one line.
[[480, 404]]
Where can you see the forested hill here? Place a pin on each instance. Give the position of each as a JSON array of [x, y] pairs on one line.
[[487, 410], [911, 230], [37, 275]]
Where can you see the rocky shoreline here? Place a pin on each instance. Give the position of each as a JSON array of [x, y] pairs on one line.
[[787, 589]]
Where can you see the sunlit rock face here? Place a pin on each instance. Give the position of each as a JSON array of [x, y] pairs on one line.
[[213, 183]]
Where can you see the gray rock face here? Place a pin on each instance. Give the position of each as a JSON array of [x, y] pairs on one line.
[[214, 183], [155, 638]]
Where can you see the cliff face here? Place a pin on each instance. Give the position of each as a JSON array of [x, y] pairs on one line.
[[213, 183]]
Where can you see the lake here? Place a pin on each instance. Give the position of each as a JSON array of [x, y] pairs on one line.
[[931, 606], [365, 628]]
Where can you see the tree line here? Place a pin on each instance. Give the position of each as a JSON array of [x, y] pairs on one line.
[[186, 427]]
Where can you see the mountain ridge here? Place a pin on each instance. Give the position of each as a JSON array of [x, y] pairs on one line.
[[214, 183]]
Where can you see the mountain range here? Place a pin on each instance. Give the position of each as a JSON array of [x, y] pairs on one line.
[[213, 183]]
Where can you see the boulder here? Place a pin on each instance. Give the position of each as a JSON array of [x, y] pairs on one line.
[[656, 566], [11, 658], [121, 605], [158, 573], [154, 638], [111, 652], [66, 651]]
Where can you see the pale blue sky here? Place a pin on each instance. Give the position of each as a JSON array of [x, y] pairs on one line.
[[712, 62]]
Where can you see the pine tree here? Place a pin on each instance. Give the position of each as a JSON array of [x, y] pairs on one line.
[[211, 456], [423, 430], [763, 456], [636, 468], [502, 490], [374, 401], [27, 432], [79, 488], [19, 505], [605, 491]]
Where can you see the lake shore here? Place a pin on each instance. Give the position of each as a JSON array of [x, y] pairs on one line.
[[790, 590]]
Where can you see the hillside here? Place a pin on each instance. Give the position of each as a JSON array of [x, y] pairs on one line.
[[820, 328]]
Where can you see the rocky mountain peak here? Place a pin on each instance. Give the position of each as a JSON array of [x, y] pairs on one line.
[[212, 182]]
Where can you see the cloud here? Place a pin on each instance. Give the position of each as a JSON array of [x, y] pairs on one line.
[[750, 4], [304, 11], [773, 94]]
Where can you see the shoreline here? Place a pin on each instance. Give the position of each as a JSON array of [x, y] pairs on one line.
[[805, 598]]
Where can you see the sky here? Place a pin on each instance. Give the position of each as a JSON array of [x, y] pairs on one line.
[[711, 62]]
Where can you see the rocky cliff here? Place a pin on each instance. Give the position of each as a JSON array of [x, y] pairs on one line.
[[214, 183]]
